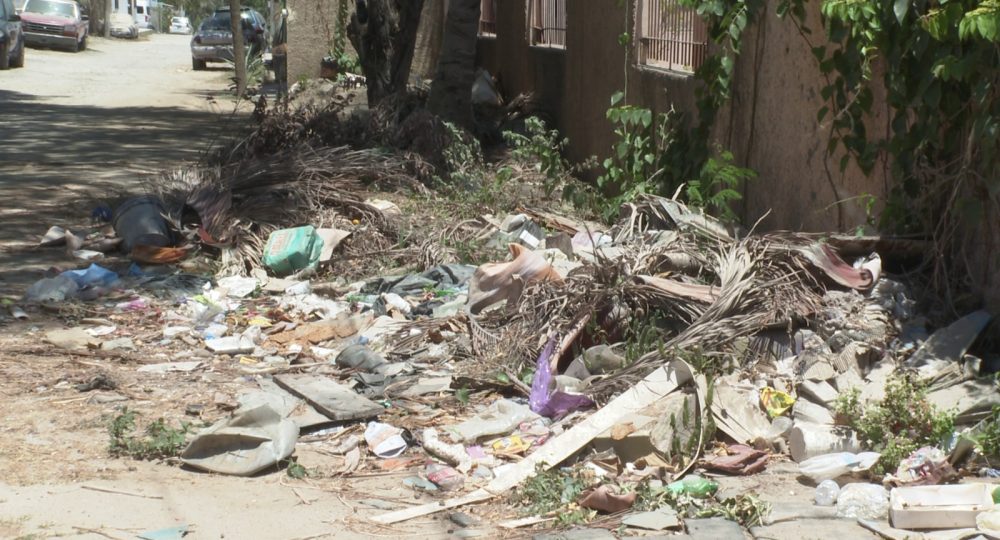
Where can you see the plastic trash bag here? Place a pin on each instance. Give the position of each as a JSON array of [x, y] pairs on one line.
[[546, 402], [247, 443], [830, 466]]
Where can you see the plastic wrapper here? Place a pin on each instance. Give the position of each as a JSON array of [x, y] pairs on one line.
[[863, 501], [548, 402]]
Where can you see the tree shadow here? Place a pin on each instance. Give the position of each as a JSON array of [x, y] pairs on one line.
[[58, 161]]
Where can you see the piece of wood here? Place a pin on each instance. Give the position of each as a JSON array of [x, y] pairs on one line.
[[119, 492], [654, 387], [330, 398]]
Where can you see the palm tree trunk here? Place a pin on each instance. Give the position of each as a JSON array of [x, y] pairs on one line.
[[451, 91], [384, 33]]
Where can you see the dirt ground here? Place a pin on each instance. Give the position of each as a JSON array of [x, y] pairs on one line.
[[78, 127]]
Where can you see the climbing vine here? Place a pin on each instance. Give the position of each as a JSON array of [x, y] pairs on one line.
[[937, 63]]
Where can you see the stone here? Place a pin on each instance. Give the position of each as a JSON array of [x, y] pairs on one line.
[[116, 344], [577, 534], [818, 391], [73, 338], [714, 529], [657, 520]]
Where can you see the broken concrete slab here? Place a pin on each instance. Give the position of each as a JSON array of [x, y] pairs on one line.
[[948, 344], [657, 520], [971, 400], [330, 398], [72, 338], [714, 529], [802, 529], [118, 344], [820, 392], [576, 534], [807, 411]]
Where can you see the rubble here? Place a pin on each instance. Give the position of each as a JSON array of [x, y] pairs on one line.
[[661, 355]]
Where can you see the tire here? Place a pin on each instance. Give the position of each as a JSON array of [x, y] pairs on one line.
[[75, 47], [5, 55], [83, 44], [19, 61], [197, 65]]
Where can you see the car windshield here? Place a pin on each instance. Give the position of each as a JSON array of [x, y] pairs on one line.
[[216, 23], [49, 7]]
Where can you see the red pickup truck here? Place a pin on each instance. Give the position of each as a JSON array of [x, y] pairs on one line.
[[54, 23]]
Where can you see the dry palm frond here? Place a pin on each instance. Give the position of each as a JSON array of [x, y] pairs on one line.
[[239, 205]]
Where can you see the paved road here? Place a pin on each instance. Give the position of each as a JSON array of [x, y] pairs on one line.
[[75, 128]]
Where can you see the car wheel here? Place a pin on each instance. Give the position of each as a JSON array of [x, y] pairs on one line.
[[5, 55], [197, 65], [83, 44], [19, 61]]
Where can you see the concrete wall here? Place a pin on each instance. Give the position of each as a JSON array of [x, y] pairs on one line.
[[312, 26], [770, 125]]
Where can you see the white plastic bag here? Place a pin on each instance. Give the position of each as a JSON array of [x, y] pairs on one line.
[[864, 501], [830, 466]]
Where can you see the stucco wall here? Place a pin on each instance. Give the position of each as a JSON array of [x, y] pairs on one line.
[[311, 29], [770, 124]]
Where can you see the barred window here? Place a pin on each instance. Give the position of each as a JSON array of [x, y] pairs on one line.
[[488, 18], [670, 36], [548, 23]]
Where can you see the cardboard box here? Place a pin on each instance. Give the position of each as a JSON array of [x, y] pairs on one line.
[[939, 507]]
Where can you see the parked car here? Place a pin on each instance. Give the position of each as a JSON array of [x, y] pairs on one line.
[[122, 26], [11, 36], [180, 25], [54, 23], [213, 42]]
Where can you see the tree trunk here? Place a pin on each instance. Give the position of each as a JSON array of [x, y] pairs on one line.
[[384, 33], [451, 91], [239, 58], [107, 18]]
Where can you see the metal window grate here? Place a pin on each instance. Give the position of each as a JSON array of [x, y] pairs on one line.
[[671, 36], [488, 18], [548, 23]]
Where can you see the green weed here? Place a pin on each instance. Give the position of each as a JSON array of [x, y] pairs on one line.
[[160, 441], [899, 424], [552, 490]]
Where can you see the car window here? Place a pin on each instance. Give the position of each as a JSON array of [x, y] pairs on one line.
[[3, 10], [48, 7], [217, 22]]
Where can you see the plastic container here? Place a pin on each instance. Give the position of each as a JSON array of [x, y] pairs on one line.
[[55, 289], [139, 222], [807, 440], [940, 507], [826, 493]]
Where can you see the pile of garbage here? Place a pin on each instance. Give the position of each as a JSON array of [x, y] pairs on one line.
[[626, 357]]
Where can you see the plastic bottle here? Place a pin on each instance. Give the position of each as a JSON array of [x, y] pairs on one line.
[[695, 486], [826, 493]]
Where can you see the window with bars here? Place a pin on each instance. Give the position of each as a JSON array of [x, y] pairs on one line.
[[670, 36], [488, 18], [547, 20]]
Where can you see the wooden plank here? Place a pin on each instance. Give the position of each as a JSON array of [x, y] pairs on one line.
[[328, 397], [654, 387]]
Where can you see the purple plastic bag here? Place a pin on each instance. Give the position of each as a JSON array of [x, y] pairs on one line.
[[552, 404]]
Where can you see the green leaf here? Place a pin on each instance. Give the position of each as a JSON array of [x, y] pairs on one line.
[[647, 118], [900, 8], [822, 113], [617, 97]]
